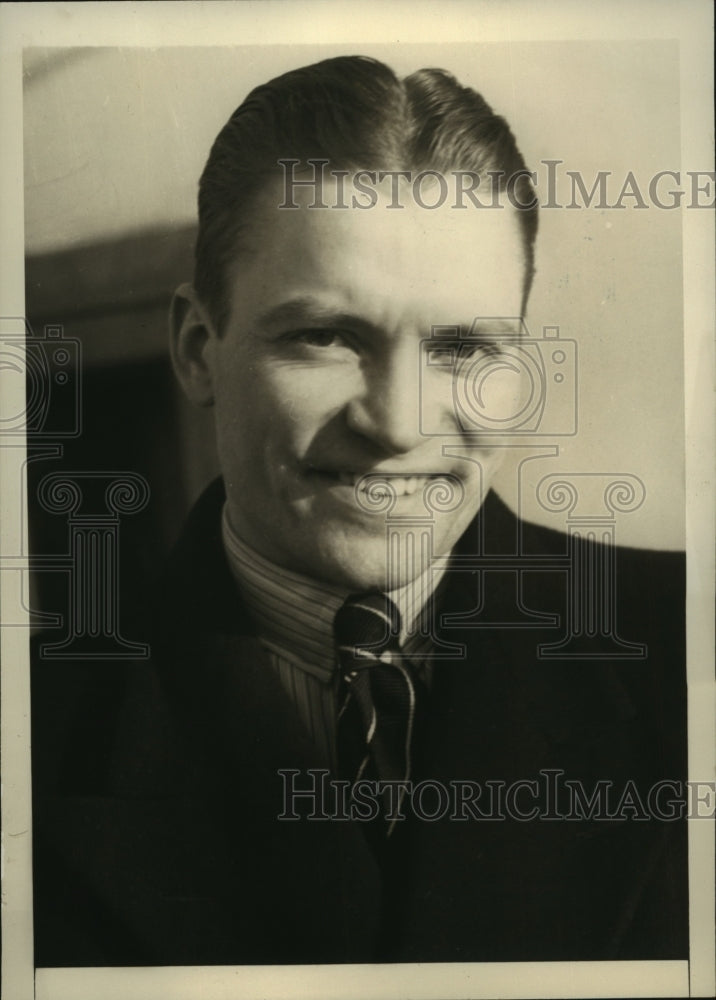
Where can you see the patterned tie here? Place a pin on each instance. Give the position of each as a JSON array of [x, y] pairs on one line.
[[378, 694]]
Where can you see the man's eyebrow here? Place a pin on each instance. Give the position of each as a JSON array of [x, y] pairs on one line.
[[309, 311], [480, 328], [489, 326]]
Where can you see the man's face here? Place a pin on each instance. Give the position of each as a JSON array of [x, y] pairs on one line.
[[320, 379]]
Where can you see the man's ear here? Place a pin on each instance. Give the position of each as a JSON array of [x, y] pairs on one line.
[[191, 334]]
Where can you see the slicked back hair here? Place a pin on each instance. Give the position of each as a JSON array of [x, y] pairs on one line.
[[355, 113]]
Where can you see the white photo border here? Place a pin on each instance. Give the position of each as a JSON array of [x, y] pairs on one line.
[[170, 24]]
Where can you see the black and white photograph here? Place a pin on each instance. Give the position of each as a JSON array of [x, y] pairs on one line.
[[357, 466]]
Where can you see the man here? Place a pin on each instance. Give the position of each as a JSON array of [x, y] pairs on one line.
[[330, 658]]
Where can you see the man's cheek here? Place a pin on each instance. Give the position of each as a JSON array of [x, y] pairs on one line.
[[310, 390]]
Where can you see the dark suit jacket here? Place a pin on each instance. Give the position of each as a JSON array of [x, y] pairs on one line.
[[157, 786]]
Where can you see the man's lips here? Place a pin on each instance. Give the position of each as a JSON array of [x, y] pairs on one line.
[[402, 484]]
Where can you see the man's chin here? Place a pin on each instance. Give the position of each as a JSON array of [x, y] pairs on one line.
[[366, 567], [365, 579]]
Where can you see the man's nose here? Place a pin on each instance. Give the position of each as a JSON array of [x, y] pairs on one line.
[[386, 409]]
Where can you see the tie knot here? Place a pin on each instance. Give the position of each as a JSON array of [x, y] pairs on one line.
[[367, 621]]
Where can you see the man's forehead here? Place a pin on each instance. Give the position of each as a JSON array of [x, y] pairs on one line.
[[443, 254], [433, 195]]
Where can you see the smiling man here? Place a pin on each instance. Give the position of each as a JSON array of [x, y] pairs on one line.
[[318, 375], [350, 748]]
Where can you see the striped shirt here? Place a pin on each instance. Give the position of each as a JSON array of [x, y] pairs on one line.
[[294, 618]]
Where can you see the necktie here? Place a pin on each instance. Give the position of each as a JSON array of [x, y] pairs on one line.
[[378, 696]]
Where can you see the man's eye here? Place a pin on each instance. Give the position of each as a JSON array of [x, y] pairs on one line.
[[486, 347], [321, 338], [441, 355]]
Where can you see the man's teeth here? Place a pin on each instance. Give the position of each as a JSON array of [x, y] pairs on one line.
[[402, 485]]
